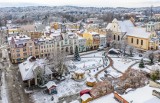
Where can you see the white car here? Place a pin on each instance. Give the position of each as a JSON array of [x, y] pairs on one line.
[[100, 48]]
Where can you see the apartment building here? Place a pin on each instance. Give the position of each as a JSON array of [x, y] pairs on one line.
[[21, 47]]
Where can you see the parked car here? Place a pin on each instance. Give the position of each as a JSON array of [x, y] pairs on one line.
[[100, 48], [140, 55]]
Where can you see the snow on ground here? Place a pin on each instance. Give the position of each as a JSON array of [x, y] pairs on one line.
[[136, 66], [88, 61], [105, 99], [140, 95], [4, 94], [91, 63], [69, 87], [122, 64], [65, 88], [110, 72], [94, 71], [113, 72]]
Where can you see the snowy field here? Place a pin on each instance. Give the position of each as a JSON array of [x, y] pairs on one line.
[[122, 64], [137, 96]]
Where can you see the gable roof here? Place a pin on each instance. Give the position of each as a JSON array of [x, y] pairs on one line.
[[138, 32], [122, 25], [27, 68], [50, 84]]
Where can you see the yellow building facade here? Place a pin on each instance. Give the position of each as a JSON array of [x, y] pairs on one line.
[[150, 43], [89, 40]]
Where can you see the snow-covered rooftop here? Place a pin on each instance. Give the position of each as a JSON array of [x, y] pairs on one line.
[[80, 37], [84, 97], [50, 84], [21, 37], [138, 32], [91, 79], [109, 26], [102, 36], [140, 95], [76, 101], [27, 68], [79, 71], [94, 33]]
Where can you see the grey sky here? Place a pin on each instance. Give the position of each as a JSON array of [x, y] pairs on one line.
[[88, 3]]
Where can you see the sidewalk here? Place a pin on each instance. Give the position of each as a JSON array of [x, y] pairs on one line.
[[4, 95], [84, 53]]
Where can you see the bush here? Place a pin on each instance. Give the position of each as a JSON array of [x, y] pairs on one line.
[[155, 75]]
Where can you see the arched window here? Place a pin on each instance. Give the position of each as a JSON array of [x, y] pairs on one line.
[[132, 40], [118, 37], [114, 37]]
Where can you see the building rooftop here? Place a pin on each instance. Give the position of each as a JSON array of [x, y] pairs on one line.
[[27, 68]]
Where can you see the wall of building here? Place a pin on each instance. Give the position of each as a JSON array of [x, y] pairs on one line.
[[137, 42]]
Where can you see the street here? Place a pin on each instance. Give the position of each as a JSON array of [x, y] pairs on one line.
[[12, 78]]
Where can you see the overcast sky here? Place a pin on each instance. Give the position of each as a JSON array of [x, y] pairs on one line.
[[90, 3]]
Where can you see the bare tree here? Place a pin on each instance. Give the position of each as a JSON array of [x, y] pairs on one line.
[[131, 50], [58, 60], [151, 58], [124, 47]]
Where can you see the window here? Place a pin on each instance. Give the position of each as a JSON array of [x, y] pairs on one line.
[[114, 37], [30, 48], [132, 40], [24, 54], [137, 41], [18, 55], [41, 46], [118, 37], [30, 43], [141, 42], [65, 41], [18, 50], [24, 49]]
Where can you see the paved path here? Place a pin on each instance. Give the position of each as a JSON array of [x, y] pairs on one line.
[[110, 64]]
